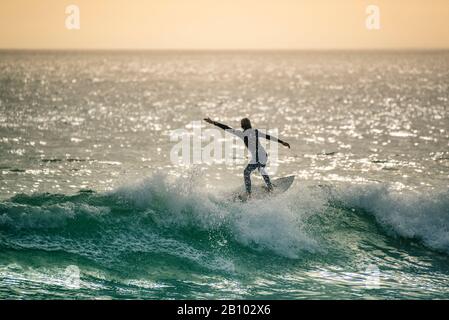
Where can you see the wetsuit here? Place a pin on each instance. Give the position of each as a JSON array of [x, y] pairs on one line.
[[259, 156]]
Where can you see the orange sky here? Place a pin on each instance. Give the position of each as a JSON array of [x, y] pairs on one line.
[[224, 24]]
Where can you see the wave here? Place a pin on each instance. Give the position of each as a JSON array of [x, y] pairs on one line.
[[410, 214], [161, 218]]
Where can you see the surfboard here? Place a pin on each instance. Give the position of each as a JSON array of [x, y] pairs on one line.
[[260, 191]]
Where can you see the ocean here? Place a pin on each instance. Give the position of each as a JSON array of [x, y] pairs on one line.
[[93, 207]]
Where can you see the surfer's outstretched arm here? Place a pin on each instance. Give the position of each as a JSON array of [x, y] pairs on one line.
[[218, 124], [225, 127], [268, 137]]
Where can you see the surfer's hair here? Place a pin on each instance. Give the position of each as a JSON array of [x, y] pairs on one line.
[[245, 123]]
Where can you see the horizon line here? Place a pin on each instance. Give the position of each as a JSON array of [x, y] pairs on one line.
[[227, 49]]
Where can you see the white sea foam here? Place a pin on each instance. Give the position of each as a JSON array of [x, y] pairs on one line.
[[272, 224], [420, 215]]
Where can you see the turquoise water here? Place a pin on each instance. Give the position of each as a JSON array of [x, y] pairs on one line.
[[87, 184], [156, 240]]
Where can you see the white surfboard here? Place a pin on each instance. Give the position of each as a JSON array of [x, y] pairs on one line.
[[260, 191]]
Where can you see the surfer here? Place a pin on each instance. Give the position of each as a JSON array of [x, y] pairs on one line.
[[259, 156]]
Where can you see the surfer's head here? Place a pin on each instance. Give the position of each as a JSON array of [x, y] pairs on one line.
[[245, 123]]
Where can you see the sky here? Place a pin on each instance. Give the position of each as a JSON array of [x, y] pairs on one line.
[[224, 24]]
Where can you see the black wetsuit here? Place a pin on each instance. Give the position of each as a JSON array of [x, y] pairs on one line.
[[259, 156]]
